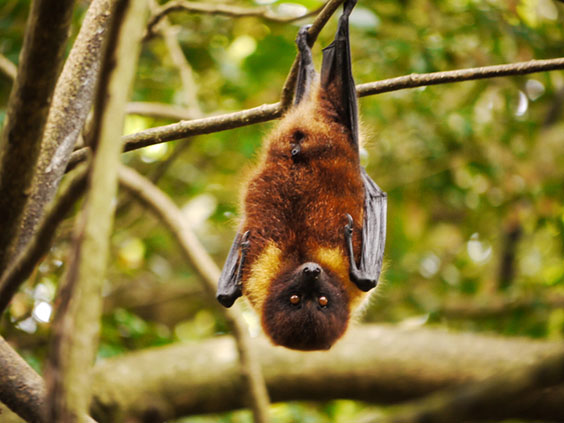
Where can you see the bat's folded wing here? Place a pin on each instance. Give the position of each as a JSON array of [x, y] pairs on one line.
[[229, 284], [367, 273], [373, 228]]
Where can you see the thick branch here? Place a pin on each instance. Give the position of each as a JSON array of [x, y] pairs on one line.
[[76, 326], [495, 306], [155, 200], [21, 268], [41, 58], [377, 364], [21, 388], [268, 112], [481, 399], [71, 103]]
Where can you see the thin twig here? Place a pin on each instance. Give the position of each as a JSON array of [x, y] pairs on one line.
[[268, 112], [218, 9], [189, 87], [160, 110], [419, 80], [8, 68], [169, 214], [206, 125]]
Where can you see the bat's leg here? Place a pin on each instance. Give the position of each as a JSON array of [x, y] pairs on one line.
[[229, 285], [306, 70], [336, 74]]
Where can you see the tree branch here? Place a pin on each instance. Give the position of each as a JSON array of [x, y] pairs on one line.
[[41, 58], [320, 21], [189, 88], [76, 326], [156, 201], [20, 269], [8, 68], [495, 306], [217, 9], [480, 400], [71, 103], [419, 80], [21, 388], [377, 364], [160, 110], [268, 112]]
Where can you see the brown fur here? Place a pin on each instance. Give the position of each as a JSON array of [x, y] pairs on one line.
[[299, 204]]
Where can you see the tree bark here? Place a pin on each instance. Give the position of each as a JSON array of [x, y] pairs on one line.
[[76, 326], [41, 58], [377, 364], [21, 388], [72, 100]]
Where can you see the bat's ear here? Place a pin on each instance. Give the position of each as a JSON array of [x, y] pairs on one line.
[[336, 74]]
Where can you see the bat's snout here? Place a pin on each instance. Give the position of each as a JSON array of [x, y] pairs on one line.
[[310, 271]]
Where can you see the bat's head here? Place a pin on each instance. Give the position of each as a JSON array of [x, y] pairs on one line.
[[306, 309]]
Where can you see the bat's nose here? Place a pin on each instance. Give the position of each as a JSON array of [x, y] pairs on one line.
[[311, 270]]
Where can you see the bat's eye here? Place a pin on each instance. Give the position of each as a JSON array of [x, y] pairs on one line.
[[323, 301], [295, 299]]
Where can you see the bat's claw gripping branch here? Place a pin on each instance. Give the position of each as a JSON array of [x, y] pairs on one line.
[[301, 38], [306, 72], [360, 277], [348, 6]]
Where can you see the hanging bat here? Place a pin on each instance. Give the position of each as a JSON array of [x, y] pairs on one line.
[[312, 237]]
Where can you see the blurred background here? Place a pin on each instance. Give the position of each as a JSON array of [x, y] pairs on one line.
[[474, 173]]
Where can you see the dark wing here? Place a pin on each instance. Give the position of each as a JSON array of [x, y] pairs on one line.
[[229, 284], [366, 275], [336, 74]]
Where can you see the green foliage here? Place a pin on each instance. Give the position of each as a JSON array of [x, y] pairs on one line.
[[463, 164]]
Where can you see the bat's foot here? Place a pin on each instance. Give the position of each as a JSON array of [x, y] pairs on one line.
[[363, 280], [348, 6], [306, 72], [301, 38]]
